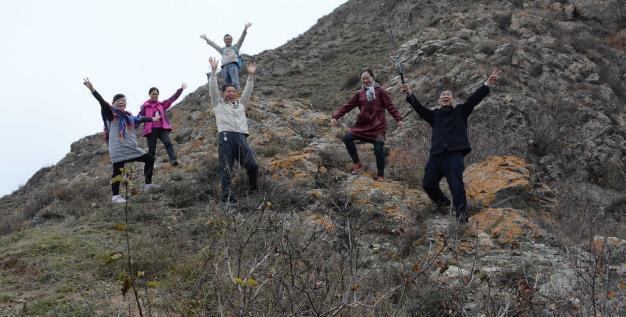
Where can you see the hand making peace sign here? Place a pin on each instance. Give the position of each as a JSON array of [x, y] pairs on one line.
[[493, 77]]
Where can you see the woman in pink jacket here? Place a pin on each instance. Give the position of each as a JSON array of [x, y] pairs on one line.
[[159, 129]]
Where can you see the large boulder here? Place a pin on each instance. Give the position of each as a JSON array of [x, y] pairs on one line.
[[603, 10], [505, 181], [506, 226]]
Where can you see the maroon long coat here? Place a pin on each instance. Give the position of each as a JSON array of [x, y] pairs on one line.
[[370, 122]]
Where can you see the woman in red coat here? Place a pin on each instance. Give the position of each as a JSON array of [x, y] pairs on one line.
[[370, 126]]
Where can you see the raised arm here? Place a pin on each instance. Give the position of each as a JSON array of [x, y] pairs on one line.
[[247, 91], [105, 107], [169, 101], [211, 43], [243, 35], [214, 91], [480, 93], [424, 112]]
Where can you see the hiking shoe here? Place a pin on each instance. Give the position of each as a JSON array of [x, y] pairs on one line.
[[174, 163], [357, 168], [117, 199], [380, 179], [147, 187]]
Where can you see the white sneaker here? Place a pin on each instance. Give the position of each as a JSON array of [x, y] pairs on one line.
[[147, 187], [117, 199]]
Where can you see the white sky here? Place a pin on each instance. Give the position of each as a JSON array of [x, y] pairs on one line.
[[123, 46]]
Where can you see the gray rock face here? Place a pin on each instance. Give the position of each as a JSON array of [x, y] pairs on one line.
[[556, 79], [603, 10]]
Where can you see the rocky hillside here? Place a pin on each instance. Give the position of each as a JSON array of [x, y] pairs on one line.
[[546, 183]]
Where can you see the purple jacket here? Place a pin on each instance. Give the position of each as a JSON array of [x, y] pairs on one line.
[[149, 108]]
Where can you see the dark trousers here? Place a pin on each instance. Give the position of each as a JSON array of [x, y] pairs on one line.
[[379, 151], [234, 146], [449, 165], [147, 170], [164, 136]]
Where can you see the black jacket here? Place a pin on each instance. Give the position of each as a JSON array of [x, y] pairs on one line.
[[449, 124]]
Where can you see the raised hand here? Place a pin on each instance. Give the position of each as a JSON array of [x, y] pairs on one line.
[[493, 77], [213, 62], [88, 84], [183, 86], [401, 124], [333, 122], [405, 89], [251, 68], [248, 25], [157, 117], [203, 36]]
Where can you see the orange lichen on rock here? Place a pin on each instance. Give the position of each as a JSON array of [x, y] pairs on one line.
[[393, 198], [505, 225], [611, 242], [296, 167], [397, 213], [324, 221], [496, 173]]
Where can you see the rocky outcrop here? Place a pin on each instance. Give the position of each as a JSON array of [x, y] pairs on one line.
[[505, 182], [507, 226], [601, 10]]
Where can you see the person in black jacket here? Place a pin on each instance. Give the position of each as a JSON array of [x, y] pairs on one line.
[[449, 144]]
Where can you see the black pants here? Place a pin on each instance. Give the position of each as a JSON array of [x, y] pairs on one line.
[[449, 165], [379, 151], [147, 170], [164, 136], [234, 146]]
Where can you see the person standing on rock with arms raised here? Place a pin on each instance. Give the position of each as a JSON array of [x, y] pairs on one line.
[[230, 56], [119, 128], [159, 129], [232, 130], [372, 101], [449, 144]]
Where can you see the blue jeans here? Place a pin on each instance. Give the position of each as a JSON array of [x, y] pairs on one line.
[[230, 74], [449, 165]]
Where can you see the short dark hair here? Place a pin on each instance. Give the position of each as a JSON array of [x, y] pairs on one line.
[[225, 35], [153, 89], [118, 96], [226, 86], [367, 70]]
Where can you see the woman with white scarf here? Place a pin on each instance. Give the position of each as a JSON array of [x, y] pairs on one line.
[[370, 126]]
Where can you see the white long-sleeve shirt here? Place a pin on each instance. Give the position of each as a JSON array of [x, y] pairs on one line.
[[230, 116]]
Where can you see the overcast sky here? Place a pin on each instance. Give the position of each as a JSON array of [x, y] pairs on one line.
[[123, 46]]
